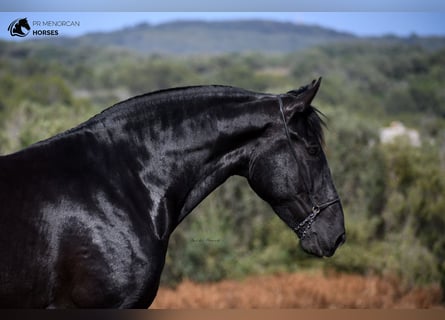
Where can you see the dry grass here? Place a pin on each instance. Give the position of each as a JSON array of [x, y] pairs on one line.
[[299, 290]]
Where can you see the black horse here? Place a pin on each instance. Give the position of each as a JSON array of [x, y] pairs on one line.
[[86, 215], [16, 28]]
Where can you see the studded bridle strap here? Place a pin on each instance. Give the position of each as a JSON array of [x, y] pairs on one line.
[[303, 226]]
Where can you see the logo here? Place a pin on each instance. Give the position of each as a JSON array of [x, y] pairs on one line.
[[19, 28], [40, 28]]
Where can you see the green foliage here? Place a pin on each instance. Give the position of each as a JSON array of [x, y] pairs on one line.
[[417, 202], [393, 195], [232, 233]]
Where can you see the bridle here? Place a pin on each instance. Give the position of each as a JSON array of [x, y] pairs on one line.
[[302, 228]]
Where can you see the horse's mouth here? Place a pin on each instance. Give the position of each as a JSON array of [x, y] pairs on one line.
[[312, 246]]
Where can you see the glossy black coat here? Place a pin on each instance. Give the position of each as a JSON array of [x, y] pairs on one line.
[[86, 215]]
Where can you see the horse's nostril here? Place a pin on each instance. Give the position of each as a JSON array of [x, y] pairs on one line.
[[340, 240]]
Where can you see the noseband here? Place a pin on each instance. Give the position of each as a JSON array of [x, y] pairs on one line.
[[302, 228]]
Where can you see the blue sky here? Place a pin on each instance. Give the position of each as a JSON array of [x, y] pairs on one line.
[[226, 5], [360, 23]]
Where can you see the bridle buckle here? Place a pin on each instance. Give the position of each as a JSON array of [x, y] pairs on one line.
[[315, 210]]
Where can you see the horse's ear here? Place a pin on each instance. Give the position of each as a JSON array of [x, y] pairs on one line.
[[304, 97]]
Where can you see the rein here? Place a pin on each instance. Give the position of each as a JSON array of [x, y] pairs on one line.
[[302, 228]]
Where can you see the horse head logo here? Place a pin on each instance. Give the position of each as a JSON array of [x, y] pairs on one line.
[[19, 28]]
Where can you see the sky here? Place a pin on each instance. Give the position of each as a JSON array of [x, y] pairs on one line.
[[359, 23], [226, 5]]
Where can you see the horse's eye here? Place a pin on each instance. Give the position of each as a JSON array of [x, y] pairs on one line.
[[313, 149]]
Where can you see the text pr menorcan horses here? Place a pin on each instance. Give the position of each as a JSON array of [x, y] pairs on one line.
[[86, 215]]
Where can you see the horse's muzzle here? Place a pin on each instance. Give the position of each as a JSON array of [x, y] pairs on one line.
[[327, 233]]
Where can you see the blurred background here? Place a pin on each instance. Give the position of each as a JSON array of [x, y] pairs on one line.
[[383, 94]]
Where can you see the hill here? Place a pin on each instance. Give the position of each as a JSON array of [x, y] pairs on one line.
[[191, 37], [221, 37]]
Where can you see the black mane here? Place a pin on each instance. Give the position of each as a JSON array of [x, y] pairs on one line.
[[311, 117], [188, 91], [157, 96]]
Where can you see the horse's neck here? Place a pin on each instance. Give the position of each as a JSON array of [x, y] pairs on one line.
[[184, 162]]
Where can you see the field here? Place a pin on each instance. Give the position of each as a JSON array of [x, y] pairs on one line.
[[299, 290]]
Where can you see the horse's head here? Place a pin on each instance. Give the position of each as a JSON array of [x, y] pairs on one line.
[[289, 170], [15, 27], [24, 23]]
